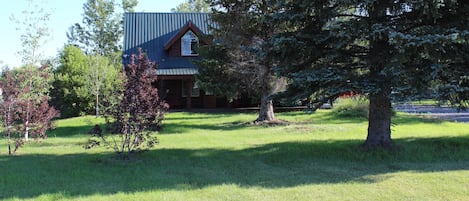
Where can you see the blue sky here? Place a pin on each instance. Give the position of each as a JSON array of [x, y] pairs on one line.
[[64, 13]]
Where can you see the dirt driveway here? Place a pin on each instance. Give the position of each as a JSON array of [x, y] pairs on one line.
[[443, 112]]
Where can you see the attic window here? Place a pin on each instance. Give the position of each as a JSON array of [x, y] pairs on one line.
[[189, 44]]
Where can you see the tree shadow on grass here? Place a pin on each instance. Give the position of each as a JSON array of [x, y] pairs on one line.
[[277, 165], [197, 115], [181, 128], [414, 119], [398, 119], [70, 131]]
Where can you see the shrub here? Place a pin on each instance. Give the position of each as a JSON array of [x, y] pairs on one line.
[[133, 111], [352, 106]]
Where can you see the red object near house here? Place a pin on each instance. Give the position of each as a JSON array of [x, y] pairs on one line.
[[349, 94]]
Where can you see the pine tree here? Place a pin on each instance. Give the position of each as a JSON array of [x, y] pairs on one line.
[[242, 34], [387, 50]]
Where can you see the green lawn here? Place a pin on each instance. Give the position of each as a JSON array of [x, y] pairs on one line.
[[221, 157]]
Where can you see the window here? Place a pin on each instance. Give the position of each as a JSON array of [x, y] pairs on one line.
[[189, 44], [195, 92]]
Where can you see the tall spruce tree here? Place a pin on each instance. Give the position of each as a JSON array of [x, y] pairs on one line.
[[242, 31], [384, 49]]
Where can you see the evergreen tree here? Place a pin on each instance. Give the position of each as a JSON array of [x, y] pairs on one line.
[[70, 93], [243, 33], [383, 49]]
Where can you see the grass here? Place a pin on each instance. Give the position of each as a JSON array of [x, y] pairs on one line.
[[221, 157]]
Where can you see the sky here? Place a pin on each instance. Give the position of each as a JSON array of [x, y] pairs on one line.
[[64, 13]]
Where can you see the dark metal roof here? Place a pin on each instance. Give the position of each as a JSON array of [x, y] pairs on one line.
[[151, 31]]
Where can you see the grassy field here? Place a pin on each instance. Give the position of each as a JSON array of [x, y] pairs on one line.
[[221, 157]]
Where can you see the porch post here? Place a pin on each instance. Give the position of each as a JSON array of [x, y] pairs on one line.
[[189, 86]]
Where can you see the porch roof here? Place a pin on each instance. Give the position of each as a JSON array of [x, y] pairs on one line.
[[177, 71]]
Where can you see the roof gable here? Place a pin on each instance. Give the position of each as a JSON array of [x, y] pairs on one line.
[[154, 31], [189, 26]]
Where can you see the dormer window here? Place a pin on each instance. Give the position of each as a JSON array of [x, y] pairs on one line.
[[189, 44]]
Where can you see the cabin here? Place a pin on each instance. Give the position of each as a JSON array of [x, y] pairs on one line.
[[171, 40]]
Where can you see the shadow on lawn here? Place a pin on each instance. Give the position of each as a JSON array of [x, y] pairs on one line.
[[276, 165], [197, 116], [70, 131], [180, 128], [180, 125], [401, 119]]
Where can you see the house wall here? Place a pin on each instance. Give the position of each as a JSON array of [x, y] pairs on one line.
[[171, 91]]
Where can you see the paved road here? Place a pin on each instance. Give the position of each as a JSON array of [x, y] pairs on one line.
[[446, 113]]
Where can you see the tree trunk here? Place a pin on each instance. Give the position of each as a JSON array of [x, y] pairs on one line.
[[28, 114], [26, 130], [9, 142], [97, 103], [266, 109], [379, 123], [379, 116]]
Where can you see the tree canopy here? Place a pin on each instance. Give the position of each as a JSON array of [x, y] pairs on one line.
[[24, 106], [242, 33], [193, 6], [34, 28], [70, 93], [79, 79], [387, 50], [133, 110], [101, 29], [99, 36]]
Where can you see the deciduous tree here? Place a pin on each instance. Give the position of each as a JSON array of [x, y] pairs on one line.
[[133, 113], [193, 6], [102, 27], [9, 104], [100, 35], [34, 85], [34, 28], [25, 109]]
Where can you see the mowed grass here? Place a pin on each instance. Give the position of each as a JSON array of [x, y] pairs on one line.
[[220, 156]]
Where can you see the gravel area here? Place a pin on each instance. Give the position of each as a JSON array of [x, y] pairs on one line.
[[443, 112]]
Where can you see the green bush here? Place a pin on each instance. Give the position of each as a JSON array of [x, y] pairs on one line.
[[353, 106]]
